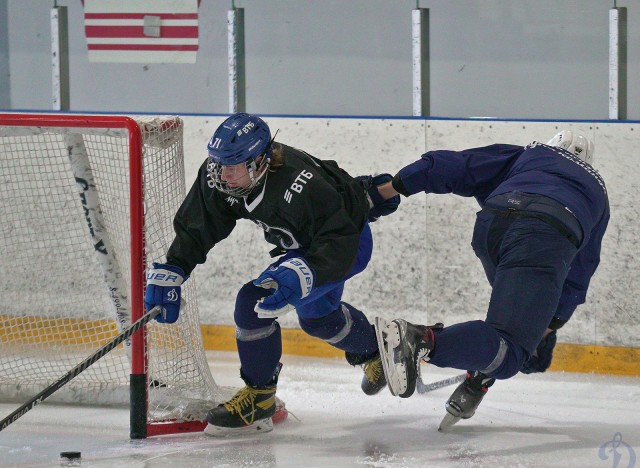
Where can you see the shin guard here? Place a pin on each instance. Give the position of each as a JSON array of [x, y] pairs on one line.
[[346, 328]]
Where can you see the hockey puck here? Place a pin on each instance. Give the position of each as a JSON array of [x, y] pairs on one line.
[[70, 455]]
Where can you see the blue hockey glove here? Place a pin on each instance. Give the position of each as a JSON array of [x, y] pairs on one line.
[[163, 289], [541, 359], [377, 205], [292, 280]]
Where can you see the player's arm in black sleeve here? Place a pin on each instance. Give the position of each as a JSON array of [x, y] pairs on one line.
[[334, 234], [201, 222]]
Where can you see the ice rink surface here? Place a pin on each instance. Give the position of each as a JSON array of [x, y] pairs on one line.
[[556, 419]]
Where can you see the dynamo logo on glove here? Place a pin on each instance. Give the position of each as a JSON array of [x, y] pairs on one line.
[[173, 295]]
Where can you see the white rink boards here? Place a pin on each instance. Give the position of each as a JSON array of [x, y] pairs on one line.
[[423, 267]]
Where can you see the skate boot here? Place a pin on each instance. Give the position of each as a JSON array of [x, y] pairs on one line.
[[250, 410], [465, 399], [402, 345], [373, 379]]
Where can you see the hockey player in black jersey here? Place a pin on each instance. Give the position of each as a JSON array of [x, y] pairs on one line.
[[316, 216], [538, 235]]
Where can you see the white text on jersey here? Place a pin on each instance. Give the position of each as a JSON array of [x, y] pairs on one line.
[[232, 201], [297, 185]]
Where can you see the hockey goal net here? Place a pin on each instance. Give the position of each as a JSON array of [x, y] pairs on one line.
[[86, 204]]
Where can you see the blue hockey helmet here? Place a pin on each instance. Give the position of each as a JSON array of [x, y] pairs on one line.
[[241, 138]]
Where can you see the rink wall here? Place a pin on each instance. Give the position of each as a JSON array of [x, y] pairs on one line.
[[423, 268]]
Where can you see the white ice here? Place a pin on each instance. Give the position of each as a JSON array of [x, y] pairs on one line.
[[554, 419]]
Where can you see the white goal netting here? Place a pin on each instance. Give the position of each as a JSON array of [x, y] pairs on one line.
[[65, 274]]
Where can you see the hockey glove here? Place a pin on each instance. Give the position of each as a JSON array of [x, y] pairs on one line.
[[377, 205], [163, 289], [292, 280], [541, 359]]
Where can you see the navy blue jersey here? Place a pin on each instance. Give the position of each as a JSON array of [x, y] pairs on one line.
[[536, 168]]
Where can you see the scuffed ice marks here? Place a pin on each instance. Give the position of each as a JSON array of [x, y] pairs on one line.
[[382, 456]]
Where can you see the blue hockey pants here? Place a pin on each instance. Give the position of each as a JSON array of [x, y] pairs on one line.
[[526, 261], [321, 314]]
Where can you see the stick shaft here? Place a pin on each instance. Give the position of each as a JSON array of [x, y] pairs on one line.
[[62, 381], [422, 387]]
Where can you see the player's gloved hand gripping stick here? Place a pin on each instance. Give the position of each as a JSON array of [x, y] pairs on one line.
[[292, 280], [163, 289]]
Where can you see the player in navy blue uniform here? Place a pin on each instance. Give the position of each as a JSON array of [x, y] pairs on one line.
[[316, 216], [538, 235]]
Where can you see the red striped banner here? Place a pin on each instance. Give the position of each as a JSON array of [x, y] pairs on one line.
[[137, 31], [145, 31]]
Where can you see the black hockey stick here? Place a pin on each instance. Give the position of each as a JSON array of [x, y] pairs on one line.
[[422, 387], [51, 389]]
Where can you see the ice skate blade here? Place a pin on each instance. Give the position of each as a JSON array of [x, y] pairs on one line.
[[388, 337], [258, 427], [448, 421]]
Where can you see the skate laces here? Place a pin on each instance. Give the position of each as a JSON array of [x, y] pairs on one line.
[[244, 398], [373, 370]]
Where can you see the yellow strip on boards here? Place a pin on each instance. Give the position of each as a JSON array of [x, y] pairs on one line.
[[596, 359], [294, 341], [567, 357], [69, 331]]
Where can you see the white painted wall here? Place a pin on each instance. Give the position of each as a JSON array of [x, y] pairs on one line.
[[423, 268]]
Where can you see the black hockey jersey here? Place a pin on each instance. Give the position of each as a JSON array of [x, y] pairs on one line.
[[307, 204]]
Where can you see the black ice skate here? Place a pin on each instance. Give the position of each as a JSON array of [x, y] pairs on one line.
[[250, 410], [402, 345], [465, 399]]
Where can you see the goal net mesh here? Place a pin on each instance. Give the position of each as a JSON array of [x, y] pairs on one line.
[[59, 300]]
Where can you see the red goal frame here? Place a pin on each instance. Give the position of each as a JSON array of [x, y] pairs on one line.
[[139, 426]]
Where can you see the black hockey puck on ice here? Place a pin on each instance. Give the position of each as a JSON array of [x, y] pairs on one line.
[[70, 455]]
